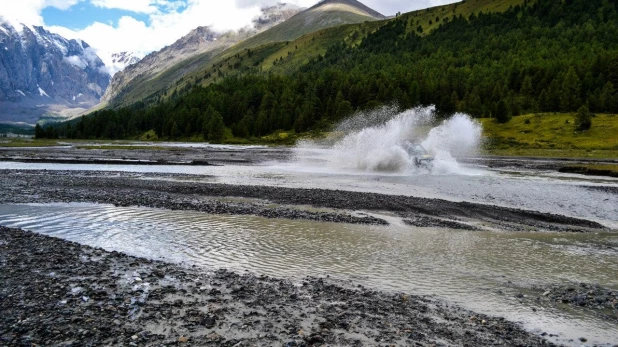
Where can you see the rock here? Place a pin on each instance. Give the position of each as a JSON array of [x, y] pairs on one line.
[[209, 322]]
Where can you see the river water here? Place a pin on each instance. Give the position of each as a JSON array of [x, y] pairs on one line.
[[482, 271]]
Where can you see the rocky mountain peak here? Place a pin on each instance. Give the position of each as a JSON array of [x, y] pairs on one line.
[[126, 58], [275, 14], [349, 6], [44, 73]]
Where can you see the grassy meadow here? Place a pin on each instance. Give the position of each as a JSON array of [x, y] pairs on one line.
[[552, 135]]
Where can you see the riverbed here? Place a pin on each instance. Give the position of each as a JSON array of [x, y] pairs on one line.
[[490, 239]]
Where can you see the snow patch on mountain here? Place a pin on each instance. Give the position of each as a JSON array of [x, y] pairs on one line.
[[119, 61], [42, 92]]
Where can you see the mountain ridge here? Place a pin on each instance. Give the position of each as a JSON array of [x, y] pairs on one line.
[[326, 14], [353, 3], [42, 73], [323, 15], [200, 41]]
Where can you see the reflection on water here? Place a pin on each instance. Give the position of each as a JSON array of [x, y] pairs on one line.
[[469, 268]]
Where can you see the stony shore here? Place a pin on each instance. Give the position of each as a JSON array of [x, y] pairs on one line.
[[54, 292]]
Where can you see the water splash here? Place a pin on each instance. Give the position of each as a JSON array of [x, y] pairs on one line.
[[457, 137], [374, 141]]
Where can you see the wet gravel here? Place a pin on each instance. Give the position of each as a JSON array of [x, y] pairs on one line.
[[175, 193], [429, 222], [534, 163], [122, 189], [593, 297], [55, 292], [157, 154]]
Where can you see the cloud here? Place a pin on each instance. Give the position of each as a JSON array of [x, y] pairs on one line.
[[166, 23], [260, 3], [141, 6], [77, 61], [29, 11]]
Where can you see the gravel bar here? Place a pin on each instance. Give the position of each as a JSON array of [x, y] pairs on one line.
[[169, 191]]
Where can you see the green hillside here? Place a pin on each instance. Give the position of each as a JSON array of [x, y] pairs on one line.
[[431, 18], [326, 14], [300, 51], [534, 58], [309, 34], [147, 88]]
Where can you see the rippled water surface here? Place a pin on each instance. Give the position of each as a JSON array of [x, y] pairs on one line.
[[469, 268]]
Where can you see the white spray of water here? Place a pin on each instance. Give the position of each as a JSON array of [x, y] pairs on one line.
[[374, 141], [456, 137]]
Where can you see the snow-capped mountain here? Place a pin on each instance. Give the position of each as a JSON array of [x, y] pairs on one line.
[[119, 61], [45, 74]]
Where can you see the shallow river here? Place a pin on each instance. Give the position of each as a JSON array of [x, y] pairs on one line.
[[482, 271], [545, 191]]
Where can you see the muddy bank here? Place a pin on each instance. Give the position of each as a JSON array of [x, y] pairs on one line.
[[122, 189], [55, 292], [174, 192]]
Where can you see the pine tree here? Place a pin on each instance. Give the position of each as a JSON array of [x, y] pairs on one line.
[[527, 92], [583, 119], [544, 104], [175, 132], [609, 99], [217, 127], [570, 91], [502, 112], [39, 133]]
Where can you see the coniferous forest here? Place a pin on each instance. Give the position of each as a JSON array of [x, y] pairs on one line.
[[546, 56]]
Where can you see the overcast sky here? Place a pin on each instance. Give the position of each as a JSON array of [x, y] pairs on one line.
[[143, 26]]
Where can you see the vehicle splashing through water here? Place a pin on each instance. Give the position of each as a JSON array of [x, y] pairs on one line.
[[382, 141]]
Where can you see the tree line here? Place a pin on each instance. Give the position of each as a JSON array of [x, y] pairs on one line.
[[550, 56]]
